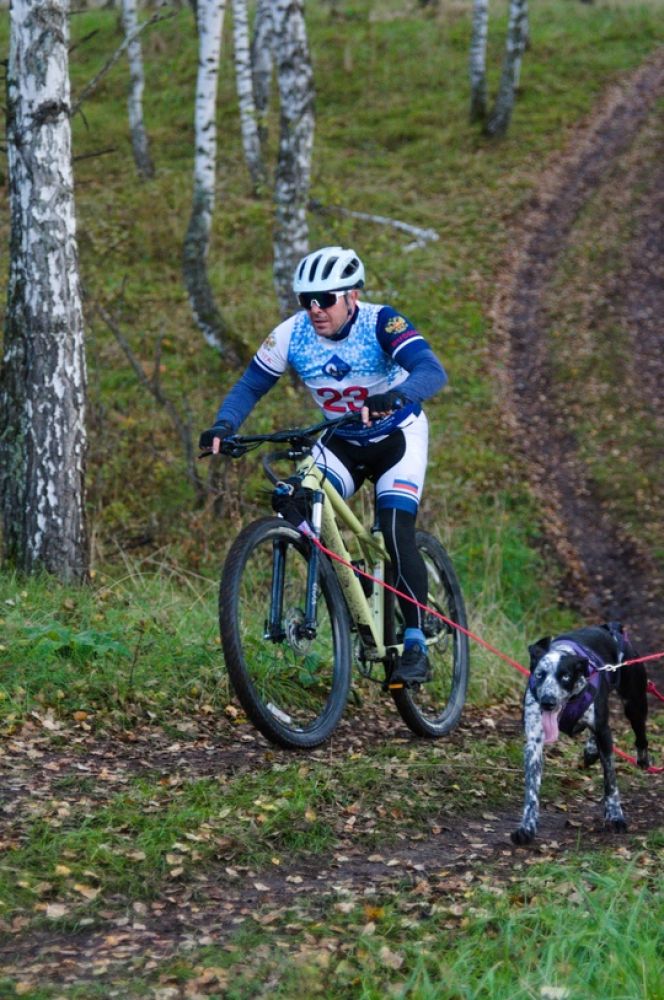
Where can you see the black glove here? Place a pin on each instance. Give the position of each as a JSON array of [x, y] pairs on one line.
[[385, 402], [220, 430]]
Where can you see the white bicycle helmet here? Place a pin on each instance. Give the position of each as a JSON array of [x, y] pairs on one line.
[[329, 269]]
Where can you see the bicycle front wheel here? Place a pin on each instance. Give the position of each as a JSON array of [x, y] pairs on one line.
[[292, 685], [434, 709]]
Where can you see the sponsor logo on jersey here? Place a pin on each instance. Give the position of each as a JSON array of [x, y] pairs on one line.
[[396, 325], [336, 368]]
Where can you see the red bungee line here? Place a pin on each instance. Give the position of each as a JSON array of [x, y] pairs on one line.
[[306, 530]]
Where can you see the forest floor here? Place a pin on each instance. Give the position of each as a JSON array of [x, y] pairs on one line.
[[607, 572]]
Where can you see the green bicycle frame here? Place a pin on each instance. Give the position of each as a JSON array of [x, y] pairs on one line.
[[367, 614]]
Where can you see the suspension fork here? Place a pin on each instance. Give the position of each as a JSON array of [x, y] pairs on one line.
[[274, 629], [309, 626]]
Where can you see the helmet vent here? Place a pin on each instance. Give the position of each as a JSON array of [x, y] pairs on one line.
[[314, 265], [329, 264]]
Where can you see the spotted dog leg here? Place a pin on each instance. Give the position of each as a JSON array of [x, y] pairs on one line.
[[590, 751], [613, 813], [532, 759]]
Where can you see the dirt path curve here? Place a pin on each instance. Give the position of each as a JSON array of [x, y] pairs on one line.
[[608, 575]]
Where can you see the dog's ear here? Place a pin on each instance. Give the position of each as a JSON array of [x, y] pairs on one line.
[[615, 628], [538, 649]]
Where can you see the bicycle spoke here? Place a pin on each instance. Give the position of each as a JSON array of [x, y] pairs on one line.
[[292, 684]]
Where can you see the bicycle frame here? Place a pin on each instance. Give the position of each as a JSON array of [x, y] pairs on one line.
[[367, 613]]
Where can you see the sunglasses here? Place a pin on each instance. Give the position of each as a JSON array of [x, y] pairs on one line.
[[323, 300]]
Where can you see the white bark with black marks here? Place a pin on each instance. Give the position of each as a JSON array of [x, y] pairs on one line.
[[477, 62], [43, 377], [139, 136], [501, 115], [262, 64], [245, 92], [210, 20], [296, 136]]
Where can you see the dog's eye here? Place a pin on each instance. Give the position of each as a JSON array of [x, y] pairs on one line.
[[565, 677]]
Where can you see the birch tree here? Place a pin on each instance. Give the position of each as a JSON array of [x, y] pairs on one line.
[[501, 115], [43, 376], [245, 92], [210, 20], [296, 136], [262, 65], [477, 67], [139, 137]]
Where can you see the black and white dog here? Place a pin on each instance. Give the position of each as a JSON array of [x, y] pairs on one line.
[[568, 691]]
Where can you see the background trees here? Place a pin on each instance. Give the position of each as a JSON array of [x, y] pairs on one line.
[[390, 144], [209, 22], [296, 137], [139, 136], [43, 376]]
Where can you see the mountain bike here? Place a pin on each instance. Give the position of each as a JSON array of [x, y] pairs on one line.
[[298, 603]]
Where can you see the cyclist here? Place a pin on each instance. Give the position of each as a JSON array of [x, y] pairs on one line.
[[356, 356]]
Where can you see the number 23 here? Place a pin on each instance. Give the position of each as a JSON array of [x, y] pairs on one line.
[[336, 401]]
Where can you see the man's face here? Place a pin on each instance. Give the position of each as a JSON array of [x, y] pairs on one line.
[[327, 321]]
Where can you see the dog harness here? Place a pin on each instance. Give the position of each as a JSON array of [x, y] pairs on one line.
[[577, 706]]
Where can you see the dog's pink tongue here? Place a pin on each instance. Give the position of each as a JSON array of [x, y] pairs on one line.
[[550, 726]]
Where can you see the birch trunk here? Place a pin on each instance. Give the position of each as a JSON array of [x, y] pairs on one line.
[[296, 136], [525, 42], [210, 20], [245, 92], [477, 68], [262, 63], [139, 137], [43, 381], [501, 115]]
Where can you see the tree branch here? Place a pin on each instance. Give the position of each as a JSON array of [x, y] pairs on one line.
[[89, 87], [153, 386], [422, 236]]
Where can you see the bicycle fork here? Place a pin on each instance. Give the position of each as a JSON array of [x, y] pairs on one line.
[[306, 629]]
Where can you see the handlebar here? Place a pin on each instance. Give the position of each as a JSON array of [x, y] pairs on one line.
[[300, 439]]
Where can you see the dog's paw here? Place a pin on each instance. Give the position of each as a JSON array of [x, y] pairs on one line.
[[522, 836], [642, 759], [618, 825]]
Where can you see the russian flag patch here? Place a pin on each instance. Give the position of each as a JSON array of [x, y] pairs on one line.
[[404, 486]]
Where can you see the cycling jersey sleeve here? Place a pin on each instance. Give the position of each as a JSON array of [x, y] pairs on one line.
[[426, 376], [267, 365], [406, 345], [240, 401]]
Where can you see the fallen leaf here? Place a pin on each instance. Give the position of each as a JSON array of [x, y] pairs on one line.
[[392, 959]]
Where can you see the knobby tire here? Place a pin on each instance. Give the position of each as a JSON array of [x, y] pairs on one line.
[[293, 689], [434, 709]]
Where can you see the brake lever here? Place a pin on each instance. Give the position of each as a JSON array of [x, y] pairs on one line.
[[229, 447]]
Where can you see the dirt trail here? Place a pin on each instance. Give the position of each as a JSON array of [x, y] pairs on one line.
[[609, 576], [208, 907]]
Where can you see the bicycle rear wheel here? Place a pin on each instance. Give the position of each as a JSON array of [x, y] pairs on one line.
[[294, 688], [434, 709]]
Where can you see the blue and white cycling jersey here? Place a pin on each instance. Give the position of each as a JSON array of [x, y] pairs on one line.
[[378, 350]]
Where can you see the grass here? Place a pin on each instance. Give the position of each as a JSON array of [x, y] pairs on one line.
[[372, 947]]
